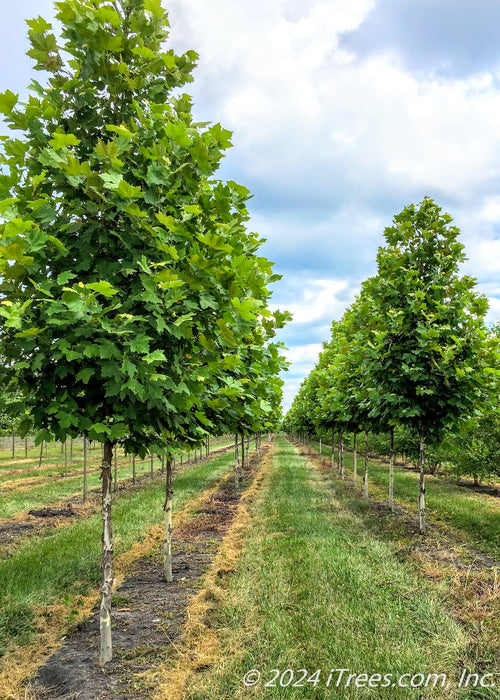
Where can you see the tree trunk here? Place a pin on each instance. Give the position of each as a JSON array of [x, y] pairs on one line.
[[421, 494], [236, 463], [152, 465], [391, 469], [167, 507], [242, 451], [13, 444], [84, 469], [333, 450], [41, 456], [341, 454], [107, 556], [354, 459], [365, 475], [25, 447], [133, 469], [320, 447], [115, 485]]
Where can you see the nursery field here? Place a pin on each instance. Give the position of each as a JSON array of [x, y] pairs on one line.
[[476, 516], [280, 587]]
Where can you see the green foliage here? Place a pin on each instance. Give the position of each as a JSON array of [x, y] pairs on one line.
[[426, 366], [127, 273]]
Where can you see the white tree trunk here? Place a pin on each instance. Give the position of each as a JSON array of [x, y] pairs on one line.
[[333, 450], [236, 462], [421, 494], [365, 476], [354, 459], [320, 447], [167, 545], [84, 469], [107, 557], [341, 454], [391, 470]]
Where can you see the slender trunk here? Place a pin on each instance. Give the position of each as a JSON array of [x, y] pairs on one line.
[[167, 507], [338, 454], [242, 451], [365, 475], [115, 485], [107, 556], [65, 458], [25, 447], [421, 494], [41, 455], [236, 463], [391, 469], [152, 465], [133, 469], [333, 450], [163, 464], [320, 447], [84, 469], [354, 459], [341, 455]]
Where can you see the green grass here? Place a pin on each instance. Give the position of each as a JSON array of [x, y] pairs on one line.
[[21, 499], [316, 589], [54, 568], [474, 515]]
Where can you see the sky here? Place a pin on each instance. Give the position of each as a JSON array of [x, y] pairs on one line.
[[342, 113]]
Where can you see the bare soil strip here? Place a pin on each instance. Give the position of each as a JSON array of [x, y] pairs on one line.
[[150, 614]]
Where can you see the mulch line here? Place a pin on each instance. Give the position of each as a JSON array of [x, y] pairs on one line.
[[150, 614]]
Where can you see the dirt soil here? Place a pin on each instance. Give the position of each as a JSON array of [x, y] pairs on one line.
[[15, 530], [149, 614]]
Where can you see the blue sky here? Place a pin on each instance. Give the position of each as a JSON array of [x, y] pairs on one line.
[[342, 114]]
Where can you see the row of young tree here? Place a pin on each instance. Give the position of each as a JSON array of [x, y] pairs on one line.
[[412, 356], [133, 300]]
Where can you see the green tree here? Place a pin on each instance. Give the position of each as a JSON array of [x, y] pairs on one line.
[[120, 259], [426, 369]]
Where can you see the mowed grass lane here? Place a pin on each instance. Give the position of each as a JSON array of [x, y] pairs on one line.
[[54, 568], [476, 516], [315, 589]]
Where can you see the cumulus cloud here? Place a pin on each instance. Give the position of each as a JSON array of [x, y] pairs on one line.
[[342, 114]]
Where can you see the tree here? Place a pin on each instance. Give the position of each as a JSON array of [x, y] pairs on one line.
[[426, 369], [120, 259]]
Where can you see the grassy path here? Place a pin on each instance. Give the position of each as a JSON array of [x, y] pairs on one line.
[[58, 568], [316, 589], [475, 515]]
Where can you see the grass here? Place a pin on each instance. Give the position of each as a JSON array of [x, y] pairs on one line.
[[21, 498], [475, 515], [315, 589], [18, 500], [55, 568]]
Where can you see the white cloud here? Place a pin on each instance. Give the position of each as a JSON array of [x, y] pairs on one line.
[[319, 301]]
